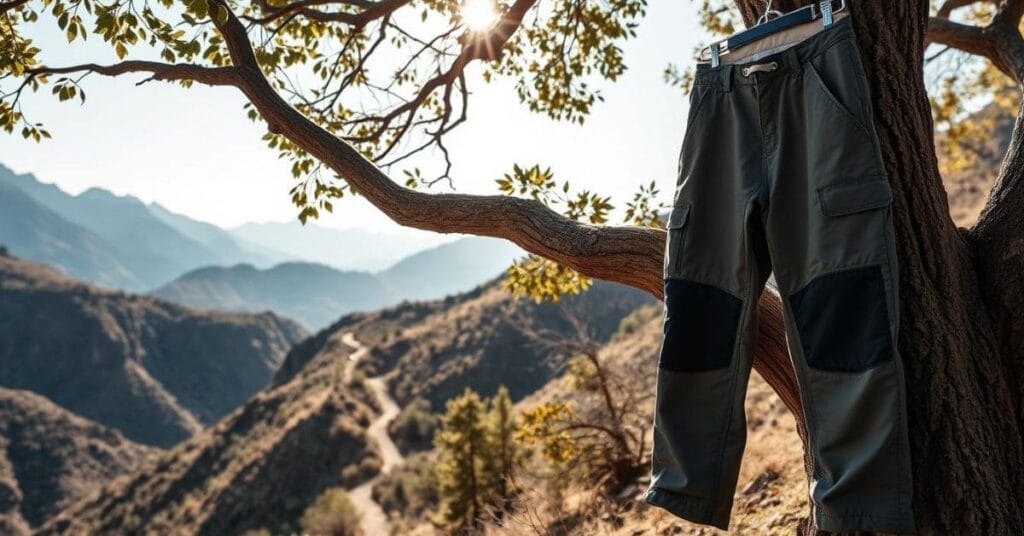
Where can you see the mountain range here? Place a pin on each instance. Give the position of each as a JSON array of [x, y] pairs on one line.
[[309, 273], [317, 295], [345, 249], [156, 371]]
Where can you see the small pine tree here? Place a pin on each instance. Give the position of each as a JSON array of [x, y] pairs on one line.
[[461, 443], [504, 451]]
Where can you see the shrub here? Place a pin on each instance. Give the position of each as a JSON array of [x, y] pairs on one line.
[[410, 489], [413, 429], [331, 514]]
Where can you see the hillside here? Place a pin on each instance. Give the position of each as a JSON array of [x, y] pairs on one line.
[[50, 457], [259, 468], [264, 464], [437, 348], [229, 248], [313, 294], [968, 189], [155, 371]]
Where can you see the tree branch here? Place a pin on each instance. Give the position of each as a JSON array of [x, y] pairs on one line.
[[7, 6], [965, 37], [213, 76], [372, 11], [632, 256], [1000, 41]]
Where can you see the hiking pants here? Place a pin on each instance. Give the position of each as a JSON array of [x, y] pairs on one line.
[[781, 170]]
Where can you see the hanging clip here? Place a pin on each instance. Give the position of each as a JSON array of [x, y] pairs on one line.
[[714, 55], [826, 13]]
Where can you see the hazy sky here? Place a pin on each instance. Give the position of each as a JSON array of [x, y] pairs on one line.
[[195, 152]]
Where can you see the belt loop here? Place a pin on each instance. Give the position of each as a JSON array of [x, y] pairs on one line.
[[726, 74]]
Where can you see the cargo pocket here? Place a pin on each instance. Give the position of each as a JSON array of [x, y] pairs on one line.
[[845, 199], [676, 228]]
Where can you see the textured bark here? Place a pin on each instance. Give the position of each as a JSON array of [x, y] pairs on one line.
[[962, 396], [998, 245]]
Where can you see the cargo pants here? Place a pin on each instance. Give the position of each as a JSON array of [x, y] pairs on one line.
[[781, 171]]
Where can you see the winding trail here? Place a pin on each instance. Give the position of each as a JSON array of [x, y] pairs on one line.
[[373, 520]]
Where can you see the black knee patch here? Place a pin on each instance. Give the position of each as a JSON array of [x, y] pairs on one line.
[[843, 320], [700, 326]]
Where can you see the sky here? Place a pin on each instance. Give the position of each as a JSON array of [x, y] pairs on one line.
[[194, 151]]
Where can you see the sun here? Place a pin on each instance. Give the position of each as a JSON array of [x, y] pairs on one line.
[[479, 15]]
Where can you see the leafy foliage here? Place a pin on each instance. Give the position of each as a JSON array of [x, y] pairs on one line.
[[540, 278], [386, 77], [553, 56], [597, 437]]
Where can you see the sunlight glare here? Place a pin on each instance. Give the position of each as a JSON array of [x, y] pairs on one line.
[[479, 15]]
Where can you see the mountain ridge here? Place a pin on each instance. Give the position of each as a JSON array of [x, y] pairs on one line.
[[317, 294]]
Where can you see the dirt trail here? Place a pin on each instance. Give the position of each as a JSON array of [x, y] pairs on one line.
[[374, 521]]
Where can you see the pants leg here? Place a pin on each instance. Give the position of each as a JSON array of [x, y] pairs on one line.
[[831, 241], [781, 170], [716, 265]]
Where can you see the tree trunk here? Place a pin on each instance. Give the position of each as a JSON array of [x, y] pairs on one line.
[[962, 362]]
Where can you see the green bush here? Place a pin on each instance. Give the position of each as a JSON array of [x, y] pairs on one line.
[[331, 514], [410, 489], [413, 429]]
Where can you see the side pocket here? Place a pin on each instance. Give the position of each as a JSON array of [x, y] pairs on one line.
[[831, 92], [676, 228]]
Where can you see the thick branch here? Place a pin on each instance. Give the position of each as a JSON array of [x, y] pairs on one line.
[[7, 6], [1000, 41], [965, 37]]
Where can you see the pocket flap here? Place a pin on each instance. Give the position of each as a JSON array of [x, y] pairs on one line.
[[677, 217], [840, 199]]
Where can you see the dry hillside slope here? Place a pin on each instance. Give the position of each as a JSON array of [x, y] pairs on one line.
[[50, 457], [475, 339], [259, 468], [156, 371]]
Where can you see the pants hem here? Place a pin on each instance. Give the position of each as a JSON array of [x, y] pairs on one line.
[[687, 507], [851, 522]]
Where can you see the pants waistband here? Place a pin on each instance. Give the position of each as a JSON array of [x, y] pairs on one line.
[[787, 61]]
